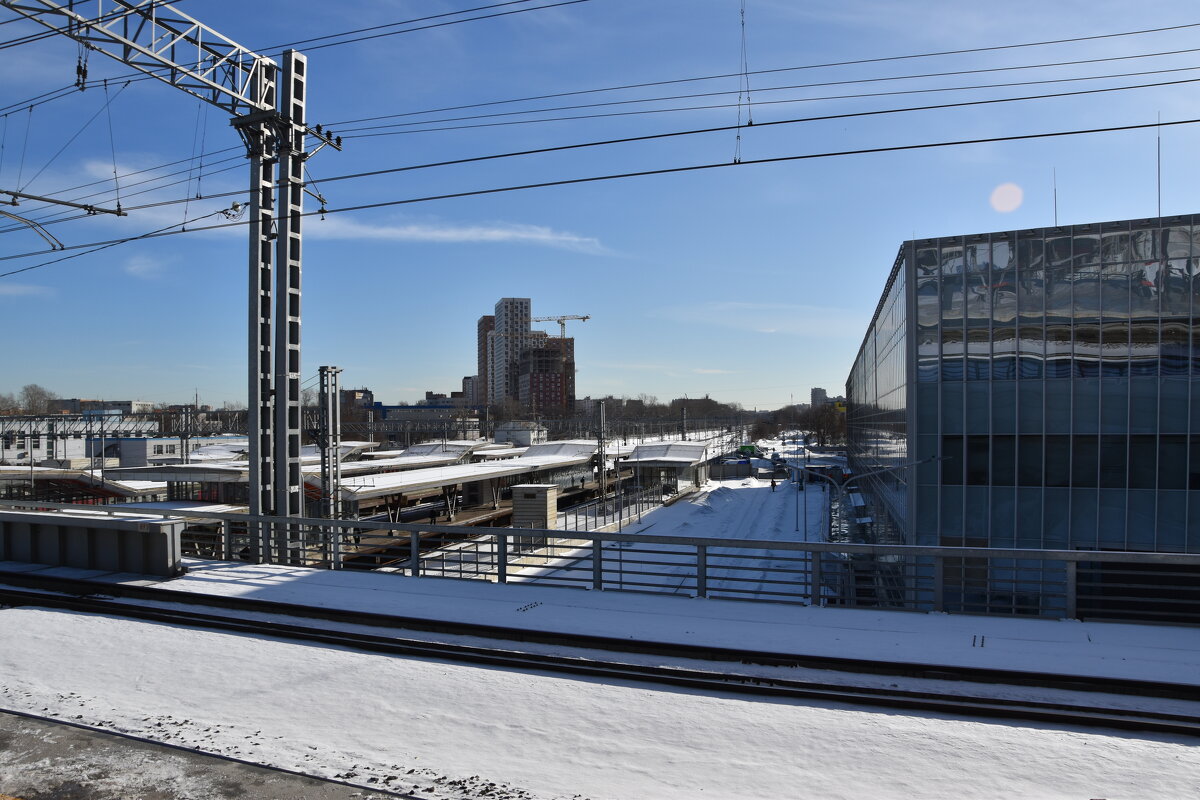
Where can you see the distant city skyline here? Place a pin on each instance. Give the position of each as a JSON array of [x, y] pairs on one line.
[[749, 282]]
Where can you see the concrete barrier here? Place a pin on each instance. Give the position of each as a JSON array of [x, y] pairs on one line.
[[114, 544]]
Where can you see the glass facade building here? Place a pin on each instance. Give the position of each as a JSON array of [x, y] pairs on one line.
[[1054, 372]]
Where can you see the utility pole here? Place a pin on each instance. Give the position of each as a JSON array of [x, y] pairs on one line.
[[177, 49], [329, 440], [600, 455]]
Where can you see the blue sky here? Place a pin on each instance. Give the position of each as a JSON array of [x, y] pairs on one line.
[[749, 283]]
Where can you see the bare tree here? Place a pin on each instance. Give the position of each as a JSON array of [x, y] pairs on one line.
[[9, 404], [36, 399]]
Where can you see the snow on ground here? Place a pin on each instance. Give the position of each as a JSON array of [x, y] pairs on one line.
[[332, 712], [448, 731]]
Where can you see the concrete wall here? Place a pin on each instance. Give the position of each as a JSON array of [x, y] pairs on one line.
[[146, 547]]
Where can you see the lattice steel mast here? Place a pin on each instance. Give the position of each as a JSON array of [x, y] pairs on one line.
[[269, 115]]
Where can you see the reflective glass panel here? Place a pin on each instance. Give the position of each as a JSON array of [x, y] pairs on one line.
[[1086, 250], [1114, 247]]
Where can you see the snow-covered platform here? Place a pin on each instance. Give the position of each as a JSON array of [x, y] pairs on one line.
[[1065, 647]]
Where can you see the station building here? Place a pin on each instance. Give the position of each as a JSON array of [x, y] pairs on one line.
[[1048, 380]]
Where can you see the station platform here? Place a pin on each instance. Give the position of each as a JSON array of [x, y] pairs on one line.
[[1169, 654]]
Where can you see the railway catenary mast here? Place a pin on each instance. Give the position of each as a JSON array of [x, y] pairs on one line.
[[269, 115]]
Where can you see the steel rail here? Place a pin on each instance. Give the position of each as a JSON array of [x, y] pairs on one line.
[[707, 680]]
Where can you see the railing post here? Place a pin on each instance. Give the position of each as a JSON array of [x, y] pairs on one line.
[[414, 553], [815, 579], [939, 583], [226, 541], [701, 570], [597, 564], [501, 558], [1072, 588], [335, 540]]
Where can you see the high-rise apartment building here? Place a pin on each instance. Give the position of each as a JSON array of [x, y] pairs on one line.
[[819, 397], [520, 365], [483, 327], [546, 375], [511, 334]]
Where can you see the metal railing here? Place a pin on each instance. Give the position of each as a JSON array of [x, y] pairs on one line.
[[1161, 587], [603, 512]]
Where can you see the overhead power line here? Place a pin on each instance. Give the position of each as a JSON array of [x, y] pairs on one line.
[[650, 137], [822, 65], [415, 127], [370, 28], [37, 37], [278, 49], [615, 176]]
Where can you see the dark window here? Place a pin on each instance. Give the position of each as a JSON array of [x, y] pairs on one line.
[[952, 460], [1172, 461], [1112, 462], [1083, 461], [1143, 462], [1194, 468], [1058, 460], [977, 460], [1029, 461], [1004, 460]]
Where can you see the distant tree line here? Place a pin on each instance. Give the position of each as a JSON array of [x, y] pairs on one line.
[[824, 422], [32, 399]]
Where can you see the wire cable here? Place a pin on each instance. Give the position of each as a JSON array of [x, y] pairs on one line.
[[278, 49], [615, 176], [75, 136], [854, 62], [664, 135], [820, 84], [394, 24]]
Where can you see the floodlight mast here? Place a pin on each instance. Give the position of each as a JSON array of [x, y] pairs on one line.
[[269, 115]]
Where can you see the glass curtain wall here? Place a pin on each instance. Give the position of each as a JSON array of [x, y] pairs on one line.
[[877, 408], [1055, 370], [1053, 399]]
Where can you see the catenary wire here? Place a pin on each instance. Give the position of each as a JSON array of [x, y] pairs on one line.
[[40, 35], [711, 94], [278, 49], [777, 70], [1160, 29], [665, 135], [414, 127], [614, 176]]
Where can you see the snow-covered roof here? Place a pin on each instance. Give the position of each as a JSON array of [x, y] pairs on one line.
[[112, 483], [552, 455], [668, 454]]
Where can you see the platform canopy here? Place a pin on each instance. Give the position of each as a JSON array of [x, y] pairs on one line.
[[668, 454], [109, 484]]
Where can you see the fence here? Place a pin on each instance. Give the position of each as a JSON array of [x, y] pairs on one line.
[[601, 513], [1162, 587]]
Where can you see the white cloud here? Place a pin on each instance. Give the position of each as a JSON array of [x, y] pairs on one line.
[[145, 267], [22, 289], [502, 232]]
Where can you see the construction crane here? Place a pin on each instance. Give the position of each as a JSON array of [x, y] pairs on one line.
[[562, 322], [268, 110]]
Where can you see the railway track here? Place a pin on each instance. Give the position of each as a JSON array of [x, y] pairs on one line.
[[163, 607]]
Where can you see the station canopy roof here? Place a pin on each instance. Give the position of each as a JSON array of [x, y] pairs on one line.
[[110, 484], [668, 454]]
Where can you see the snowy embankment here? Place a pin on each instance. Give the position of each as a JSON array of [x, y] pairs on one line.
[[444, 730], [447, 730]]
